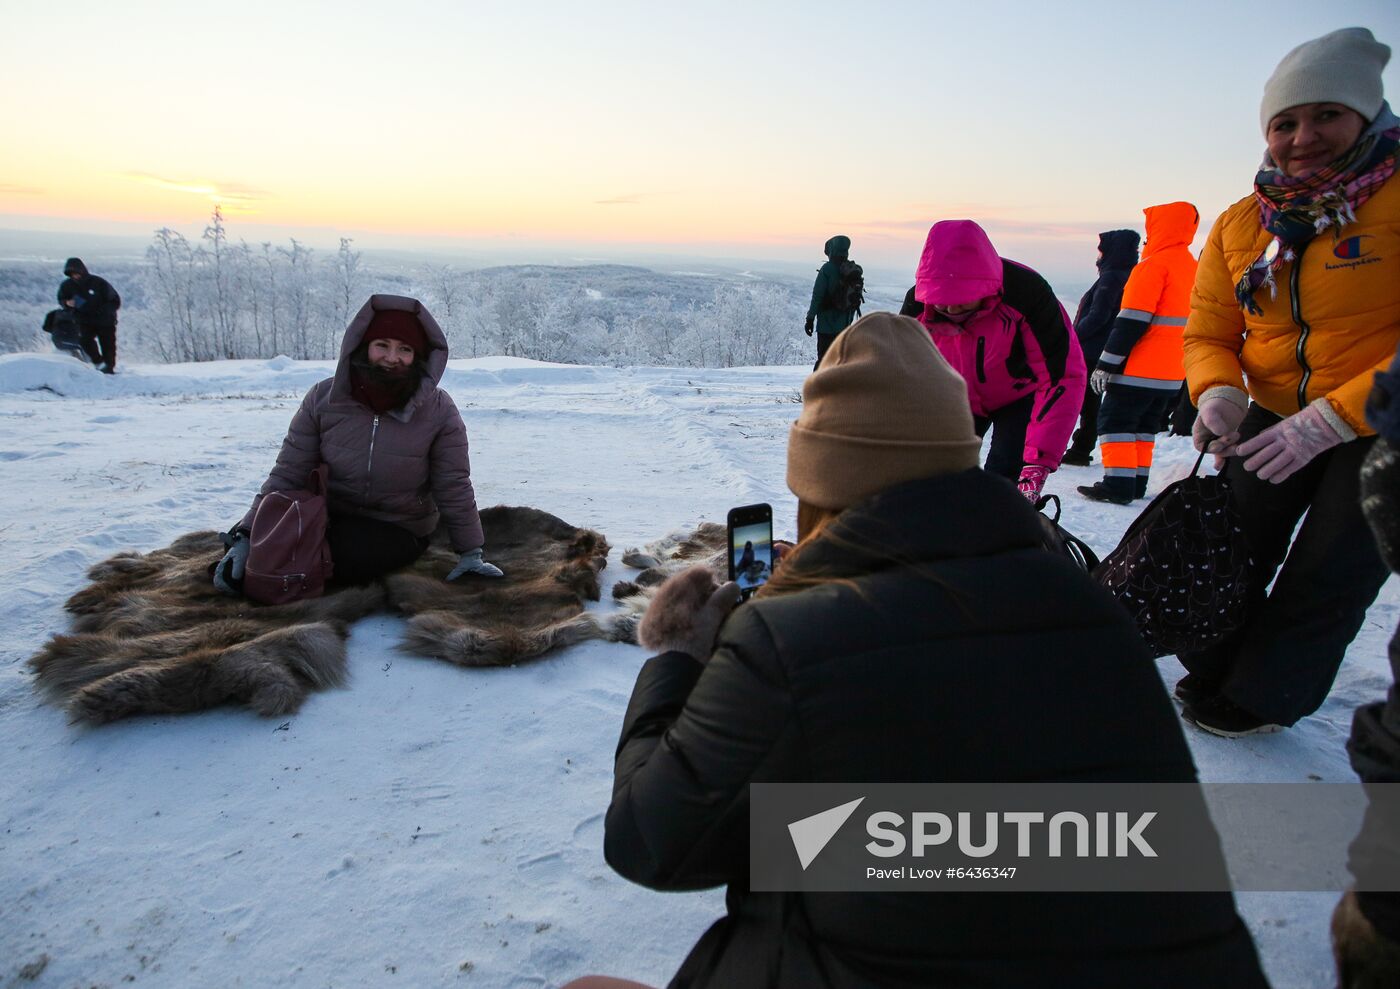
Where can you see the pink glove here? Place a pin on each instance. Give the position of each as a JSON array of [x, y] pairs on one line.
[[1217, 428], [686, 613], [1032, 480], [1286, 447]]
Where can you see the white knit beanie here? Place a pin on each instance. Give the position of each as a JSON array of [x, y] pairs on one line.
[[1342, 67]]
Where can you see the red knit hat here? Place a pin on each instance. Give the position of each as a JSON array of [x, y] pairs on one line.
[[396, 324]]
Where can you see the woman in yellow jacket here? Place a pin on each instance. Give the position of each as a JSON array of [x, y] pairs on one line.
[[1296, 307]]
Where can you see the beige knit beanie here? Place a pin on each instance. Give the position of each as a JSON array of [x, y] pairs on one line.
[[1342, 67], [883, 407]]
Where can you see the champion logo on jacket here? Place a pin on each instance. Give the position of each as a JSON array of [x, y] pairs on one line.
[[1354, 252]]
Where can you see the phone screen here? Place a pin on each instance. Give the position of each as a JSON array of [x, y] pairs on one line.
[[751, 547]]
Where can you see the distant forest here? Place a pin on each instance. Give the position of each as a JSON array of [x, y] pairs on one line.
[[217, 299]]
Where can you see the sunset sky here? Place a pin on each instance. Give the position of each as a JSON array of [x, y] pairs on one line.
[[752, 130]]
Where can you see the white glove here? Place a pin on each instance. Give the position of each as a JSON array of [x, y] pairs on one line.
[[1283, 449], [471, 562], [1217, 428]]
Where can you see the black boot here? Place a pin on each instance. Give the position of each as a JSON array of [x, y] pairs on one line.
[[1098, 491]]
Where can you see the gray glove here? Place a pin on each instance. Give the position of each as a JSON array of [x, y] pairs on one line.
[[228, 574], [471, 562], [686, 613], [1098, 381]]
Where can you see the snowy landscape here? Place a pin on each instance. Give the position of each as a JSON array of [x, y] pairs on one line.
[[427, 825]]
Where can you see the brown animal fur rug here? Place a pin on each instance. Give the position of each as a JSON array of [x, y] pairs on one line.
[[152, 635], [659, 560]]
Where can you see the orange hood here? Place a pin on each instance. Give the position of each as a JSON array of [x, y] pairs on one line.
[[1170, 225]]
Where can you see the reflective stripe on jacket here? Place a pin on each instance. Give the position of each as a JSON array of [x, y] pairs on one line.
[[1145, 346]]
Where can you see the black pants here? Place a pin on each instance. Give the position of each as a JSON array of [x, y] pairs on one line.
[[1008, 425], [100, 344], [824, 341], [1281, 665], [1087, 435], [1128, 422], [363, 549]]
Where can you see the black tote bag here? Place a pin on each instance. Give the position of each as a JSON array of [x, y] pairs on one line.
[[1182, 570]]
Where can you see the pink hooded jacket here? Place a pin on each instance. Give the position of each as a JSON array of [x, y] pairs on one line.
[[407, 466], [1020, 342]]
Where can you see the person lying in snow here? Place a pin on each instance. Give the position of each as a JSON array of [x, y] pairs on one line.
[[395, 446]]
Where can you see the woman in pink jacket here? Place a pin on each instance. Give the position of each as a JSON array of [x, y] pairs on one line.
[[395, 448], [1000, 326]]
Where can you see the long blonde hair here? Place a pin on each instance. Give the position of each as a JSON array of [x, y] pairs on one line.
[[812, 521]]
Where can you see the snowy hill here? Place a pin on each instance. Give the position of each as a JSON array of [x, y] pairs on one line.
[[427, 825]]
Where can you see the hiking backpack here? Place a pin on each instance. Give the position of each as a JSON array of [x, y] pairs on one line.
[[849, 291], [288, 558], [1183, 567]]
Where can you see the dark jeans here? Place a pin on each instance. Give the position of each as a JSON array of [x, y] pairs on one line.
[[1087, 435], [100, 344], [1008, 425], [1281, 665], [824, 341], [363, 549]]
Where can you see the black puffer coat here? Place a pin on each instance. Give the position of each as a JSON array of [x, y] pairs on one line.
[[995, 661], [1099, 307], [95, 302]]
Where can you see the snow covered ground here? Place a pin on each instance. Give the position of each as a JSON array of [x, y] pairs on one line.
[[427, 825]]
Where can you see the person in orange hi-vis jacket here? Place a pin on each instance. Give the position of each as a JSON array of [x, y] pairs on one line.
[[1140, 370]]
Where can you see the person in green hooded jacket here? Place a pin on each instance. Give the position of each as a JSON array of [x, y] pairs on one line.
[[829, 321]]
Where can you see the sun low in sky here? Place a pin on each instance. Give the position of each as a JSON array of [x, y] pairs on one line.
[[728, 129]]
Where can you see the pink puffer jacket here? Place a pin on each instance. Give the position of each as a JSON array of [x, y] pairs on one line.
[[1020, 343], [405, 466]]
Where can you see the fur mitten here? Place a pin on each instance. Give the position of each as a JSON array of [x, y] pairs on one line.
[[1365, 958], [686, 613]]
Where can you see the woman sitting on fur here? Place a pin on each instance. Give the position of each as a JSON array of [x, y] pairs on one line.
[[395, 446], [919, 631]]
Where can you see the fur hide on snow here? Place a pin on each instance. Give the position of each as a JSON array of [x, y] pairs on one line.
[[152, 635], [659, 560], [551, 569]]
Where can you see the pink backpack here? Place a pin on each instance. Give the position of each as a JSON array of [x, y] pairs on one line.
[[288, 558]]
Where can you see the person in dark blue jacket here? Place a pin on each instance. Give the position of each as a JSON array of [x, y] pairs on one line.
[[1118, 253]]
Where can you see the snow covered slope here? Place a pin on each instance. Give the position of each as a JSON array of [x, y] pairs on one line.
[[427, 825]]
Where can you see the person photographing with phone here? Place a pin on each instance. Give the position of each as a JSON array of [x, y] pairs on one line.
[[918, 631]]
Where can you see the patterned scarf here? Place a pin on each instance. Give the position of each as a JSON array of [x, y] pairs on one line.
[[1295, 210]]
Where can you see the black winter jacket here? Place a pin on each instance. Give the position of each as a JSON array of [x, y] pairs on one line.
[[95, 302], [1099, 307], [993, 661]]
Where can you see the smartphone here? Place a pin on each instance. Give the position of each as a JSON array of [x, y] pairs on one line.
[[750, 547]]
